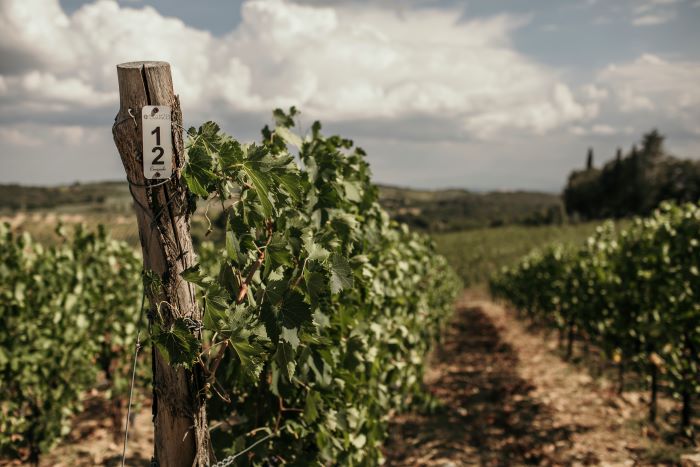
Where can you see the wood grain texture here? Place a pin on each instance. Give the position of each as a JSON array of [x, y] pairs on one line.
[[163, 213]]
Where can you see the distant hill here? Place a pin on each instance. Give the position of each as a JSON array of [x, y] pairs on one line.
[[99, 194], [632, 184], [428, 210], [451, 210]]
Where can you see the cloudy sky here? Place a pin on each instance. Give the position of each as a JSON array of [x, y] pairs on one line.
[[489, 94]]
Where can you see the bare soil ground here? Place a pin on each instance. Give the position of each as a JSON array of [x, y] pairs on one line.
[[508, 399], [92, 441]]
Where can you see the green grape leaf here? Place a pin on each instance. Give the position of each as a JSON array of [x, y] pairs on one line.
[[288, 136], [216, 303], [251, 356], [315, 251], [195, 275], [282, 119], [295, 311], [198, 172], [291, 183], [316, 284], [177, 344], [233, 247], [341, 274], [230, 154], [269, 317], [284, 357], [291, 336], [261, 186], [278, 252], [312, 406]]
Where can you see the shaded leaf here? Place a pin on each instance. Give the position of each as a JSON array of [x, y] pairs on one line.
[[284, 357], [177, 344], [341, 274], [295, 311]]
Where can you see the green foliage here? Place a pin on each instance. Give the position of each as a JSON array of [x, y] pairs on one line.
[[479, 254], [319, 310], [176, 344], [66, 313], [634, 184], [634, 293], [453, 210]]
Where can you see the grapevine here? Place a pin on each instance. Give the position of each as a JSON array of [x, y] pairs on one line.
[[318, 309], [633, 293], [67, 312]]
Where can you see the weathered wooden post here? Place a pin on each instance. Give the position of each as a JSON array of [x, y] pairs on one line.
[[162, 211]]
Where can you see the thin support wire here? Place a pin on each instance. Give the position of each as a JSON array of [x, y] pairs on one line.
[[130, 117], [133, 375], [229, 460], [152, 185]]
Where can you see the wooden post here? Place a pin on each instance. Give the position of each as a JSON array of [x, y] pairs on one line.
[[162, 212]]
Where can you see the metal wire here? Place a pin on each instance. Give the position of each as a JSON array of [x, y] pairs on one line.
[[133, 374], [130, 117], [152, 185], [229, 460]]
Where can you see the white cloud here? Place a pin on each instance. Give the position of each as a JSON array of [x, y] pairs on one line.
[[18, 137], [602, 20], [653, 19], [600, 129], [337, 63], [74, 135], [654, 12], [44, 86], [595, 93], [578, 130], [45, 135], [649, 5], [38, 153], [651, 84], [75, 56], [630, 101], [604, 130]]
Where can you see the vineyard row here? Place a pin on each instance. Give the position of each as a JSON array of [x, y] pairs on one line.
[[634, 294]]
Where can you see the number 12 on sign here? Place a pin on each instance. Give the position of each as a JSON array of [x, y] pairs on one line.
[[157, 142]]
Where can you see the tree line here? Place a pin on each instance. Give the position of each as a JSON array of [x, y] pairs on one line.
[[634, 183]]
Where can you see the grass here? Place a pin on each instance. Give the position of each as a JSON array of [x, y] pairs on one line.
[[453, 210], [477, 254]]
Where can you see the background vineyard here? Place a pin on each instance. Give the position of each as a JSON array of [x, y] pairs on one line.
[[630, 292], [68, 315]]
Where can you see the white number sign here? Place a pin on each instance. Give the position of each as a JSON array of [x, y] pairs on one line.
[[157, 142]]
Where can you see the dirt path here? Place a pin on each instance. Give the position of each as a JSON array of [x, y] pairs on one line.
[[508, 399], [92, 442]]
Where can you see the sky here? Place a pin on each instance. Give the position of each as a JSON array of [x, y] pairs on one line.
[[482, 95]]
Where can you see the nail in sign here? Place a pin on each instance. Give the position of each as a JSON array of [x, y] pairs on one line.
[[157, 142]]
